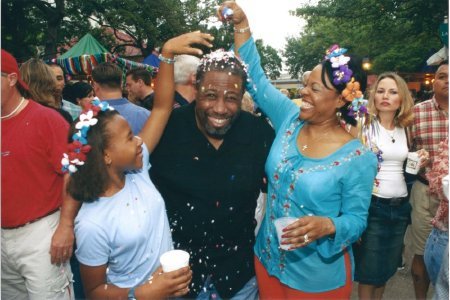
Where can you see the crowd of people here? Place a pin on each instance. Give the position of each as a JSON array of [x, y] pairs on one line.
[[97, 186]]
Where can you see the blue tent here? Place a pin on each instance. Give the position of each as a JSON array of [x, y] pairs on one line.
[[152, 60]]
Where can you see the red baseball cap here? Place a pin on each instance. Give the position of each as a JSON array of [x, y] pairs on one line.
[[9, 65]]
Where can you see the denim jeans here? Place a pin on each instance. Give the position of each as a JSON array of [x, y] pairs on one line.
[[248, 292], [441, 289], [434, 251]]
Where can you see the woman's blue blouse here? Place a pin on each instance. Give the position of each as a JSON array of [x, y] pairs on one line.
[[338, 186]]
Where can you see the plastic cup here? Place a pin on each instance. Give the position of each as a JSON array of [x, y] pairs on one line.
[[173, 260], [413, 163], [280, 224]]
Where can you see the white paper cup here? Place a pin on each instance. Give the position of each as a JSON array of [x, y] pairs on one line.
[[174, 260], [280, 224], [413, 163]]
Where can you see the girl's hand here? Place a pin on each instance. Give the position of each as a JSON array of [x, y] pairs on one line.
[[163, 285], [238, 14], [306, 230], [182, 44], [424, 157]]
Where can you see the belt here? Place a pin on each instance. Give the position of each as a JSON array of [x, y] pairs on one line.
[[396, 201], [423, 180], [29, 222]]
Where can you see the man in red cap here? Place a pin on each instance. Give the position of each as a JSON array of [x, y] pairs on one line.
[[37, 225]]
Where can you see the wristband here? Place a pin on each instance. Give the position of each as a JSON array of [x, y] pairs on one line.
[[131, 294], [242, 30], [166, 60]]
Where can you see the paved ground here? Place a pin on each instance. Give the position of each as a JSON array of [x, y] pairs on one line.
[[400, 286]]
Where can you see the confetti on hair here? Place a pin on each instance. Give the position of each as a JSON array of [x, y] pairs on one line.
[[221, 58]]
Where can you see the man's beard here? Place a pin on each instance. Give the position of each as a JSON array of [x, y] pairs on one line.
[[217, 133]]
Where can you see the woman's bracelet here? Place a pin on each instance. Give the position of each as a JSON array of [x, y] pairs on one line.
[[166, 60], [242, 30]]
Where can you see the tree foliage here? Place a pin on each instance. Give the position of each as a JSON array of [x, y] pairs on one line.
[[396, 35], [270, 60], [27, 24], [41, 27]]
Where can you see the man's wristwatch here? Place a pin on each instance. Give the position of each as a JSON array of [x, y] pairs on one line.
[[131, 295]]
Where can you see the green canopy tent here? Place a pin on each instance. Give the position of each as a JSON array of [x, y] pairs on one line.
[[83, 56], [86, 45], [88, 52]]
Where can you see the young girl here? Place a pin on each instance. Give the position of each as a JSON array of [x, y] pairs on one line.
[[122, 227]]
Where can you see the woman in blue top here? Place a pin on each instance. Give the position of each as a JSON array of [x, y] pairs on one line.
[[317, 173], [122, 227]]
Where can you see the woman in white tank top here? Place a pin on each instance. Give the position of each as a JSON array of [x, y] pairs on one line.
[[378, 253]]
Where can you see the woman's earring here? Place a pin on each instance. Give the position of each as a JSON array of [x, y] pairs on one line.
[[338, 114], [108, 161]]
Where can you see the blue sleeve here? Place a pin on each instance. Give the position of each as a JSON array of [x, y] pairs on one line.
[[272, 102], [357, 187], [140, 117], [92, 244]]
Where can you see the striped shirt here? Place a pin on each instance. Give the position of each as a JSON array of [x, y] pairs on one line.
[[430, 127]]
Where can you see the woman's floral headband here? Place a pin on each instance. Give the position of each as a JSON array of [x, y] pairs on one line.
[[342, 74], [78, 149]]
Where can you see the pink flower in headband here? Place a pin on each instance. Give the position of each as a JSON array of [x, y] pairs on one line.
[[339, 63], [334, 51]]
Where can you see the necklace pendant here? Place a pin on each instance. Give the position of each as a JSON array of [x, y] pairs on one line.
[[304, 147], [393, 140]]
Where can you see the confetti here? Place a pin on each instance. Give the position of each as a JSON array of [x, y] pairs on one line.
[[221, 58]]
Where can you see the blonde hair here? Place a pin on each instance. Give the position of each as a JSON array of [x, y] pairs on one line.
[[404, 115], [41, 81], [247, 103]]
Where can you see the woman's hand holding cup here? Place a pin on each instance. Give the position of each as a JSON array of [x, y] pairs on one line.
[[306, 230]]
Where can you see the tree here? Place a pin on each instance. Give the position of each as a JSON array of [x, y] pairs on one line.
[[20, 21], [148, 22], [395, 35], [39, 27], [270, 60]]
